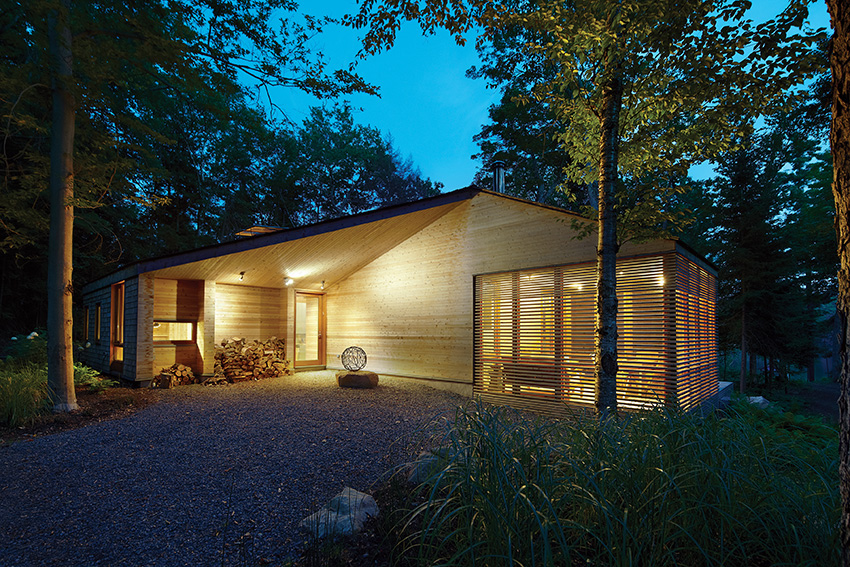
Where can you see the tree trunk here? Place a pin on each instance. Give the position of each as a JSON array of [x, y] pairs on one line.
[[60, 351], [839, 139], [606, 252], [742, 384]]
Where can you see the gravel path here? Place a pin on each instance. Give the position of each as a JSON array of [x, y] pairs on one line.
[[182, 482]]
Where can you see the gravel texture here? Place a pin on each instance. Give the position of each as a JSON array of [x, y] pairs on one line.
[[207, 476]]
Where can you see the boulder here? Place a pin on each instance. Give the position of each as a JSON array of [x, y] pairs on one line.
[[343, 515], [356, 379], [759, 401]]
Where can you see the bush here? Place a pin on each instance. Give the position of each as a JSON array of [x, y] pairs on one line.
[[652, 489], [24, 349]]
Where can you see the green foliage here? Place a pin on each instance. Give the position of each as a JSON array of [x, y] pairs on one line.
[[766, 221], [30, 348], [23, 392], [657, 489], [171, 152], [85, 376]]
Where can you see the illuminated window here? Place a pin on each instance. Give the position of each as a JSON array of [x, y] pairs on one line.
[[174, 332], [97, 313], [86, 325]]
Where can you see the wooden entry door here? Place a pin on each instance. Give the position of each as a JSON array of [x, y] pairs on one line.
[[309, 329]]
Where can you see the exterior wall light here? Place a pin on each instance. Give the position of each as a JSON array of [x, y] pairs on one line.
[[241, 276], [288, 282]]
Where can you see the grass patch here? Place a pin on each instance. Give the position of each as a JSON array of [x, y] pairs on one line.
[[23, 381], [23, 392], [743, 487]]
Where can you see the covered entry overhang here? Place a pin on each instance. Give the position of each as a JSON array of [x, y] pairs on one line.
[[184, 304]]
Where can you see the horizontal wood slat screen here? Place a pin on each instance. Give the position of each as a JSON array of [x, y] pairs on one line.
[[534, 334], [696, 333]]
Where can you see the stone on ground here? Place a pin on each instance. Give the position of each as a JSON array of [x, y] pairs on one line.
[[356, 379], [343, 515]]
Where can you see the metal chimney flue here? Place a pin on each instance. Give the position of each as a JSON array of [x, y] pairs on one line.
[[498, 175]]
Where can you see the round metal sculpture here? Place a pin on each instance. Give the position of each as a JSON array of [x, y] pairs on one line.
[[354, 358]]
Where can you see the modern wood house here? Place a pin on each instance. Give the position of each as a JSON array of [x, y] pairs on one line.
[[471, 290]]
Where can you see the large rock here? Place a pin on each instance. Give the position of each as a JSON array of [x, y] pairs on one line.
[[343, 515], [356, 379]]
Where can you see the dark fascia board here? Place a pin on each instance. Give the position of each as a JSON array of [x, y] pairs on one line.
[[277, 237], [695, 256]]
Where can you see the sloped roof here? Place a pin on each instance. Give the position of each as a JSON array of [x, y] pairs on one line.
[[328, 250]]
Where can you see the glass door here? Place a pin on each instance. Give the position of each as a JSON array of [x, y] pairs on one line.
[[309, 329]]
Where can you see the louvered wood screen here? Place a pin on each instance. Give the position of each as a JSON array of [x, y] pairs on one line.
[[696, 333], [534, 335]]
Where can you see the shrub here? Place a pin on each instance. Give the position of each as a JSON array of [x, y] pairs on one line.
[[23, 349], [661, 488]]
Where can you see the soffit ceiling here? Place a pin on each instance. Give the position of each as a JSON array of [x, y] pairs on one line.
[[329, 256]]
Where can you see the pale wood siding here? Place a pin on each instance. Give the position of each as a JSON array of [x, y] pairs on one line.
[[206, 330], [412, 308], [144, 367], [248, 312], [177, 300]]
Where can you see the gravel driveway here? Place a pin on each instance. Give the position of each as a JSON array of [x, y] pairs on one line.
[[207, 476]]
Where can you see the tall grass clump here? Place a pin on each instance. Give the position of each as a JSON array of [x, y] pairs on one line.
[[23, 379], [660, 488], [23, 392]]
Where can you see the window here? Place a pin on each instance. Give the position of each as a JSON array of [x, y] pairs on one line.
[[174, 332], [118, 314], [97, 313], [86, 325], [535, 333]]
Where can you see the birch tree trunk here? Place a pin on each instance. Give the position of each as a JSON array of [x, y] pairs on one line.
[[60, 352], [606, 252]]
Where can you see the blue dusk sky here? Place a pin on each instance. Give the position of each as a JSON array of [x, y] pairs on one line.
[[426, 104]]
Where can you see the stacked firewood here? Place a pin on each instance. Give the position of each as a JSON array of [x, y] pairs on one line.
[[174, 375], [237, 360]]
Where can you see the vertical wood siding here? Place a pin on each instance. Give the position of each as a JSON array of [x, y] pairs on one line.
[[412, 308], [248, 312]]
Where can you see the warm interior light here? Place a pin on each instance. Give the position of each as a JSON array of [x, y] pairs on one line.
[[323, 284], [288, 281], [241, 276]]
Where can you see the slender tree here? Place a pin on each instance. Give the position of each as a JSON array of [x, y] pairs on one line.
[[60, 351]]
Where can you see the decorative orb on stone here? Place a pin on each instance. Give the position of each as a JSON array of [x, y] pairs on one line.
[[354, 358]]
